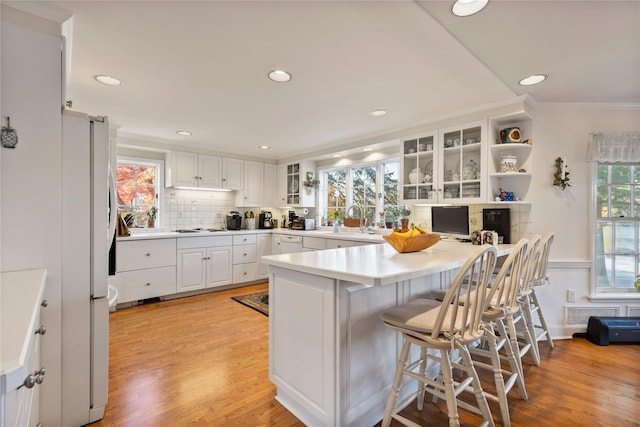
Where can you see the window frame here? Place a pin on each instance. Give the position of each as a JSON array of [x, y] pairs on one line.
[[147, 161], [596, 220], [349, 169]]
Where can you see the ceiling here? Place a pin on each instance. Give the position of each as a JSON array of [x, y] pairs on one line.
[[202, 66]]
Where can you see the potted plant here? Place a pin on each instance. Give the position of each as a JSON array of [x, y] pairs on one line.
[[310, 182], [151, 217], [404, 213]]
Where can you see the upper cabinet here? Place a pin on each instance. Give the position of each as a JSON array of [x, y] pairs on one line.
[[445, 166], [203, 171], [291, 189], [232, 174], [475, 162], [252, 193]]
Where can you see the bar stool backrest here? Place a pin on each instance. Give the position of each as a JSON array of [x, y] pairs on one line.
[[462, 306], [503, 292], [539, 274]]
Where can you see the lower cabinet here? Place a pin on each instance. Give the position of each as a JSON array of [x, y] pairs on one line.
[[245, 265], [204, 262], [144, 284], [263, 248], [145, 269]]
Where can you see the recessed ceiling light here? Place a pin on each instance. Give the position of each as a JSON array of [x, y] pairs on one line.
[[264, 147], [183, 133], [108, 80], [337, 155], [468, 7], [533, 79], [368, 149], [378, 113], [279, 76]]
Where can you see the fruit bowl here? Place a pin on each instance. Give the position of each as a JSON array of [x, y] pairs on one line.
[[404, 244]]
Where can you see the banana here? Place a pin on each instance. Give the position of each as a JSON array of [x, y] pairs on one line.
[[407, 233], [421, 230]]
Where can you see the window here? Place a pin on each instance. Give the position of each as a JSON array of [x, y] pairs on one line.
[[617, 226], [138, 189], [371, 186]]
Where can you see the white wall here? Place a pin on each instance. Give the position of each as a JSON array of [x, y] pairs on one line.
[[31, 178], [564, 131]]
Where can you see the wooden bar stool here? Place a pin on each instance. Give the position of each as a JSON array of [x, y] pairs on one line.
[[447, 328], [495, 344], [530, 302]]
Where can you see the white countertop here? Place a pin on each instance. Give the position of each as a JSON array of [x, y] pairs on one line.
[[323, 233], [379, 264], [20, 294]]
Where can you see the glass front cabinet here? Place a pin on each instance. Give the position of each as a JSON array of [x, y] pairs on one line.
[[445, 166]]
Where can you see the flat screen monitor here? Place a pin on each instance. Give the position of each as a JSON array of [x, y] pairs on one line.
[[450, 221]]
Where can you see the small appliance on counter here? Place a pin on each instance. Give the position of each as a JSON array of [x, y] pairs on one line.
[[234, 220], [299, 223], [265, 220]]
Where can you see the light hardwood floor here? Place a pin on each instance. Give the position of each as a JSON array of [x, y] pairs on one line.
[[203, 361]]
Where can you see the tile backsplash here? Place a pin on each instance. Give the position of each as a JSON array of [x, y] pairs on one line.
[[203, 209], [520, 216]]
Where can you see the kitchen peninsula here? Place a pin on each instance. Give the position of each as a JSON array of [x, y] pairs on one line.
[[330, 356]]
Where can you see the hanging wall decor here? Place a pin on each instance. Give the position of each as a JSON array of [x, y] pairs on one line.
[[8, 135], [561, 175]]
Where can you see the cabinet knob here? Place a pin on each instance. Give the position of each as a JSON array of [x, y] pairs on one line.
[[30, 381], [41, 330], [147, 284], [40, 371], [39, 425], [44, 303], [147, 254]]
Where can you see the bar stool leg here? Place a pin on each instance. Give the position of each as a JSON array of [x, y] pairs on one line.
[[397, 379]]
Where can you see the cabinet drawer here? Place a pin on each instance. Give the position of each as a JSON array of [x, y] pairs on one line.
[[143, 284], [141, 254], [338, 243], [244, 253], [204, 242], [314, 243], [245, 272], [244, 239]]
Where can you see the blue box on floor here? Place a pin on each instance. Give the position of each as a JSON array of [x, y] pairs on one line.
[[603, 330]]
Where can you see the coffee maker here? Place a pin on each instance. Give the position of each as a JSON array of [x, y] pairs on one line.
[[265, 220], [234, 220]]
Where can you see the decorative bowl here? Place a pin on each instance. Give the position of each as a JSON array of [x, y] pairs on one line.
[[412, 243]]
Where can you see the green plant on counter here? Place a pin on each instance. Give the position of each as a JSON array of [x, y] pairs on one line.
[[153, 213], [404, 211]]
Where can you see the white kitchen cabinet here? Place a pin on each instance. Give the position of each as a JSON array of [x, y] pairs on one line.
[[447, 166], [232, 173], [263, 247], [252, 193], [417, 166], [203, 262], [291, 190], [145, 269], [204, 171], [269, 185], [245, 265], [209, 171], [193, 170], [21, 329]]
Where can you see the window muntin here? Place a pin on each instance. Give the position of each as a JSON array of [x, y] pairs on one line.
[[372, 185], [617, 226], [138, 188]]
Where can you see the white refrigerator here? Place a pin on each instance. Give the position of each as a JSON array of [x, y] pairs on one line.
[[87, 230]]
